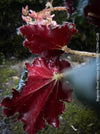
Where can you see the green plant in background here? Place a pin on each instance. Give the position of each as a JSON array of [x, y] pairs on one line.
[[76, 58], [2, 58], [84, 119]]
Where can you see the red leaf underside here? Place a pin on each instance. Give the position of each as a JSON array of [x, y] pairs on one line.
[[41, 98]]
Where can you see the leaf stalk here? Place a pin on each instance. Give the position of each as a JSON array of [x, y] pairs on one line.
[[81, 53]]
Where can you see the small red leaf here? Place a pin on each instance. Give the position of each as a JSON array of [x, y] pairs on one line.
[[70, 6], [41, 98], [40, 38]]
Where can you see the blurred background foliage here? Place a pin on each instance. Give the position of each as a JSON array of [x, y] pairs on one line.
[[11, 44]]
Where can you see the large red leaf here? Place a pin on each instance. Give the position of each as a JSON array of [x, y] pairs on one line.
[[41, 98], [40, 38]]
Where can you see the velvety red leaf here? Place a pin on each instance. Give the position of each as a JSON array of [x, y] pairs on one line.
[[41, 98], [40, 38], [51, 108], [65, 92], [52, 53]]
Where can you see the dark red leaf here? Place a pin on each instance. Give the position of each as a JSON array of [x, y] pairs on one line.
[[41, 98], [40, 38], [52, 53], [92, 11], [70, 6]]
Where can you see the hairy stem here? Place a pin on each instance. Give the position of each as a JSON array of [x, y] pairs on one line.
[[52, 9], [68, 50]]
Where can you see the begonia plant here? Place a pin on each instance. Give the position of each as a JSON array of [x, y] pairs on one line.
[[41, 97]]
